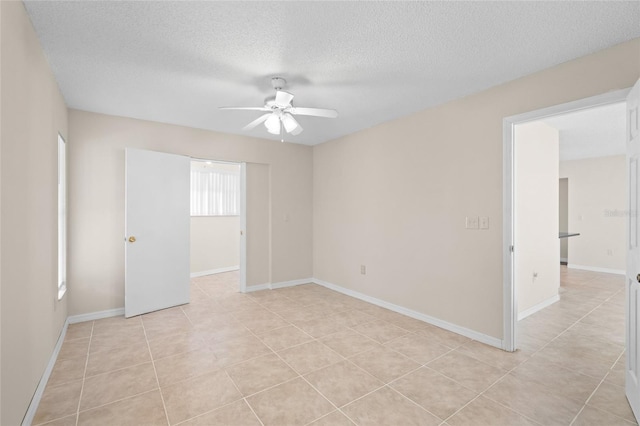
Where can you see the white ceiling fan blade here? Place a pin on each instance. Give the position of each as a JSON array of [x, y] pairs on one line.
[[316, 112], [290, 124], [248, 108], [283, 98], [257, 121], [297, 130]]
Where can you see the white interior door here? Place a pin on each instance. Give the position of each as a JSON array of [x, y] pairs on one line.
[[632, 383], [157, 231]]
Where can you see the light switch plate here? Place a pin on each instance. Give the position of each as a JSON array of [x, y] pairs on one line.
[[472, 222], [484, 222]]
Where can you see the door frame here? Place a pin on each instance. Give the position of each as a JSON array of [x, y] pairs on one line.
[[243, 217], [510, 311]]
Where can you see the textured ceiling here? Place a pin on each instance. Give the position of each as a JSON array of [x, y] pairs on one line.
[[595, 132], [177, 62]]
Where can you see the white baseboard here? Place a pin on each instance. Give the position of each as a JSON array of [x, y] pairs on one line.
[[215, 271], [92, 316], [273, 286], [37, 396], [480, 337], [257, 287], [597, 269], [532, 310], [291, 283]]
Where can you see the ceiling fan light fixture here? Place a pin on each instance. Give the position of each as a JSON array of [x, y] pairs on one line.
[[279, 116], [289, 123], [273, 124]]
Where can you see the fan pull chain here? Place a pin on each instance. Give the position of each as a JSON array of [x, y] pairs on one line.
[[281, 131]]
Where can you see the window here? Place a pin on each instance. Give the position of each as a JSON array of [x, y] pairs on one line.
[[215, 191], [62, 217]]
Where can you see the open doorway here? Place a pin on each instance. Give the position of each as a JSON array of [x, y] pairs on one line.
[[570, 185], [512, 250], [570, 193], [563, 219], [216, 194]]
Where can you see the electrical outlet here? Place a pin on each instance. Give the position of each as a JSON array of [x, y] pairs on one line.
[[484, 222], [472, 222], [363, 269], [609, 252]]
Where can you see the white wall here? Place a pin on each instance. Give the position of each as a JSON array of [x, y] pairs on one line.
[[597, 204], [96, 199], [32, 113], [215, 243], [536, 206], [395, 196]]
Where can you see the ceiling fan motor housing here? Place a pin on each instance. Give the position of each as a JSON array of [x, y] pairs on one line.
[[278, 83], [270, 102]]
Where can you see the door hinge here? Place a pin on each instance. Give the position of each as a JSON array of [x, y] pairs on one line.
[[511, 249]]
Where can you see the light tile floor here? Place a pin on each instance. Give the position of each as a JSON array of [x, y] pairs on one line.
[[308, 355]]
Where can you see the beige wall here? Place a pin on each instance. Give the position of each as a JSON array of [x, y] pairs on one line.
[[536, 206], [215, 242], [563, 215], [96, 198], [597, 186], [395, 196], [258, 232], [33, 112]]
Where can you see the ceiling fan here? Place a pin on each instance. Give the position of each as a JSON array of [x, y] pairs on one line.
[[280, 111]]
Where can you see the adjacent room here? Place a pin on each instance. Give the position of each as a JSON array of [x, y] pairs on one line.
[[302, 213], [570, 203], [570, 232]]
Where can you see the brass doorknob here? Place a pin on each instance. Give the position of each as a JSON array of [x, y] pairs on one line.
[[132, 239]]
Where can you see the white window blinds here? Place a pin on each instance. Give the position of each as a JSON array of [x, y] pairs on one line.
[[215, 192]]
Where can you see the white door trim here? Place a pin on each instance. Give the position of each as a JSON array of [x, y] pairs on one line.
[[243, 227], [510, 314]]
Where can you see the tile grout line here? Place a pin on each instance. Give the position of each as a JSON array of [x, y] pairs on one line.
[[302, 377], [540, 349], [66, 383], [571, 326], [482, 394], [252, 410], [584, 405], [318, 339], [507, 372], [117, 400], [588, 399], [155, 372], [84, 373], [299, 376], [244, 398], [413, 402], [273, 351], [350, 328], [512, 369]]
